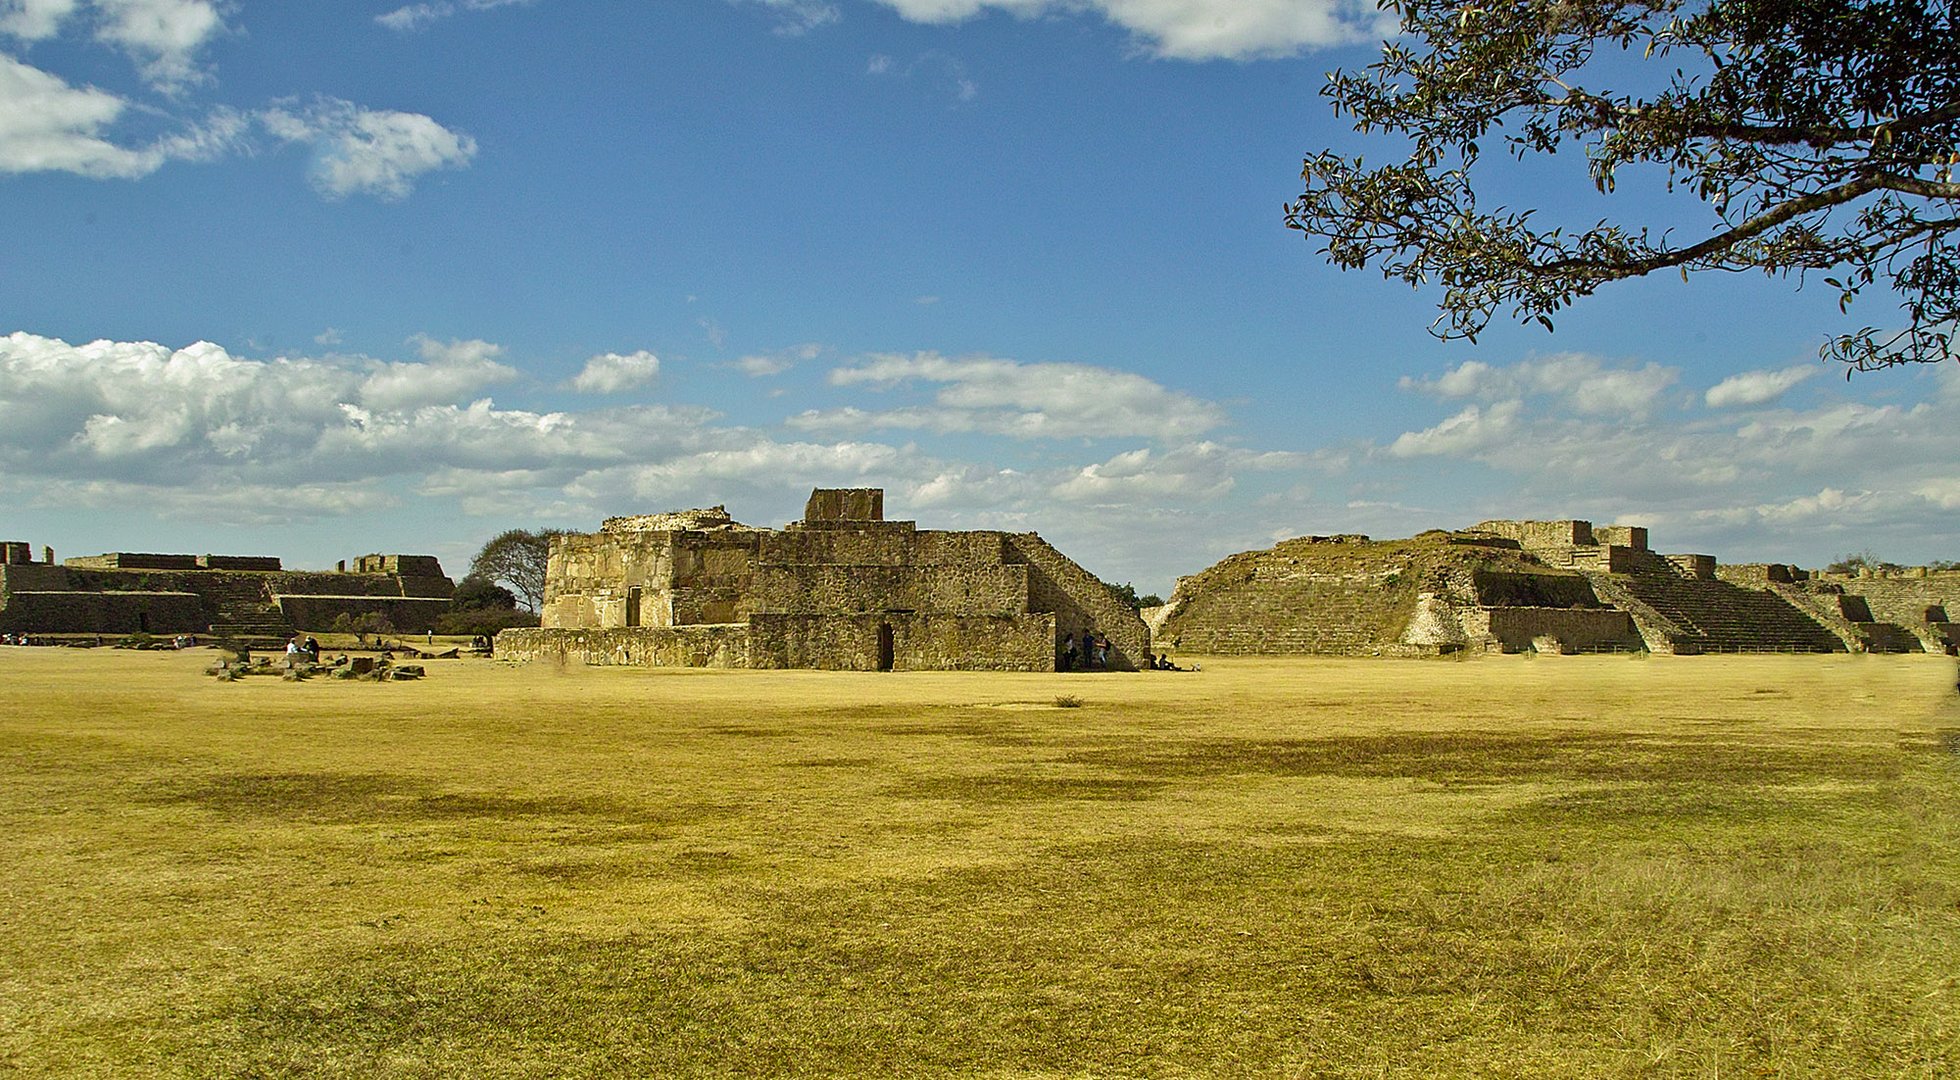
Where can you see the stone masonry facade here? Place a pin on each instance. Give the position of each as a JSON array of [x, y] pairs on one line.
[[250, 597], [841, 589], [1562, 586]]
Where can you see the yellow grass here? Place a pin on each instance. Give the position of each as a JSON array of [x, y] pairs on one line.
[[1500, 867]]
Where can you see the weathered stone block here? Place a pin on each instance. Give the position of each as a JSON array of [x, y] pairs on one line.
[[845, 504]]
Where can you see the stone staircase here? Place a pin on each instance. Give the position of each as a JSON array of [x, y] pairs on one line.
[[1291, 616], [245, 613], [1850, 618], [1695, 614], [1885, 637], [1078, 598], [1943, 637]]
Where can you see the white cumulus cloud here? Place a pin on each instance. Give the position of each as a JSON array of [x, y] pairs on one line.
[[1192, 29], [1202, 470], [764, 365], [1756, 387], [449, 371], [162, 36], [360, 151], [1472, 430], [46, 125], [1020, 400], [1581, 382], [34, 20], [610, 373]]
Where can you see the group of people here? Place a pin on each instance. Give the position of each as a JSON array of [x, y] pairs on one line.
[[15, 639], [307, 650], [1090, 651], [1087, 650]]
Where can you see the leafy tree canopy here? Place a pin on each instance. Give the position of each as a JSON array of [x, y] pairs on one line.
[[1818, 135], [475, 593], [517, 558]]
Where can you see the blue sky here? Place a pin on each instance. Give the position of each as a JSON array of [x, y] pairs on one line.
[[320, 279]]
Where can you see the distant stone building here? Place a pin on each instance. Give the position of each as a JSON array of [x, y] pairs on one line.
[[1563, 586], [245, 596], [841, 589]]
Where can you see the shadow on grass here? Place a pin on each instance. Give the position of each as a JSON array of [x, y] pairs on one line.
[[1444, 957], [1026, 787], [323, 797], [1473, 757]]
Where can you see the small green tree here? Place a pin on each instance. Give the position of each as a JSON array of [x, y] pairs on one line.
[[367, 622], [374, 622], [1127, 593]]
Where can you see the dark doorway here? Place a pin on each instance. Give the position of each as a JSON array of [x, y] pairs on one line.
[[633, 605], [885, 650], [143, 622]]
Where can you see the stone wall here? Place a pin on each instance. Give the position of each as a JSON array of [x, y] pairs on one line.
[[1533, 589], [132, 560], [104, 613], [1541, 534], [904, 642], [423, 566], [1628, 536], [819, 588], [226, 601], [1904, 596], [591, 576], [1920, 602], [643, 646], [410, 615], [1604, 559], [889, 544], [1759, 575], [1568, 630], [845, 504], [1697, 567], [31, 577], [263, 564], [309, 583]]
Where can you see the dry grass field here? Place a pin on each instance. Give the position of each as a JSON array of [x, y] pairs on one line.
[[1562, 866]]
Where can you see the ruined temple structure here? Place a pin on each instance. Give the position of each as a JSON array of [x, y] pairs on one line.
[[248, 597], [1560, 586], [842, 589]]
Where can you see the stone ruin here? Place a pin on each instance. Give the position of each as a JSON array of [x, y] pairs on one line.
[[1558, 586], [251, 598], [841, 589]]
